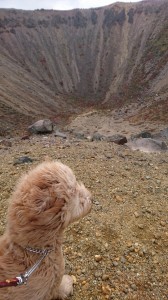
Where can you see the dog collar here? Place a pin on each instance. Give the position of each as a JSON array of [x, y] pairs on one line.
[[38, 251], [23, 278]]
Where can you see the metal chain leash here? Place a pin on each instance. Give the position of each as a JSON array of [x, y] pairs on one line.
[[23, 278], [38, 251]]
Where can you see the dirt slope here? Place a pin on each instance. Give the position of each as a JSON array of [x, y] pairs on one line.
[[51, 60]]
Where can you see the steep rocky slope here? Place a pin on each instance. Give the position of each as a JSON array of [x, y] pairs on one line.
[[50, 61]]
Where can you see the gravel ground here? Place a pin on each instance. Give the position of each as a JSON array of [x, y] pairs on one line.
[[120, 250]]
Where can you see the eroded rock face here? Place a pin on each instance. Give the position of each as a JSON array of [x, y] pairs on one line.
[[147, 145], [104, 54], [41, 126]]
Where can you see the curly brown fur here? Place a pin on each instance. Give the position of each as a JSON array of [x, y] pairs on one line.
[[44, 203]]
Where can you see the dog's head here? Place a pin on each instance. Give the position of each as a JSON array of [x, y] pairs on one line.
[[47, 198]]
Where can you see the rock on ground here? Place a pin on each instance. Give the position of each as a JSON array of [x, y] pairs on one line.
[[41, 126], [147, 145]]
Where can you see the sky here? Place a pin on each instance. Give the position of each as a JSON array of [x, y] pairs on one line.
[[56, 4]]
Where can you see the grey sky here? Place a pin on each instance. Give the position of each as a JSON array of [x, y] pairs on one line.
[[56, 4]]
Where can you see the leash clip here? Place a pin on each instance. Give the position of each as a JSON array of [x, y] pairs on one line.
[[22, 279]]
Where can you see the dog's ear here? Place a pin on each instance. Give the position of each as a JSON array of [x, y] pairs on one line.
[[49, 216], [37, 200], [43, 198], [41, 207], [48, 205]]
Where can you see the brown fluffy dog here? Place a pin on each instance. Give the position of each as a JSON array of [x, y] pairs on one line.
[[44, 203]]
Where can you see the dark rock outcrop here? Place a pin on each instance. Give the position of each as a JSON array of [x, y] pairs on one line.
[[23, 160], [143, 134], [117, 139]]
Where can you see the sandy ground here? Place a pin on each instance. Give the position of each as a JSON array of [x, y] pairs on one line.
[[120, 250], [109, 123]]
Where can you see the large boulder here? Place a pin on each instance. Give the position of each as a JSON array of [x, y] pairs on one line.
[[41, 126], [147, 145]]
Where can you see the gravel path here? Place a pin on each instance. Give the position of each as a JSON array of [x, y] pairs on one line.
[[120, 250]]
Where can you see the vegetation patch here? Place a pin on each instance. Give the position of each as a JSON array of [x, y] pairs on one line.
[[112, 17]]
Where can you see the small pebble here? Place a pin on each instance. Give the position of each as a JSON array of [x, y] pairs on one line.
[[98, 258]]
